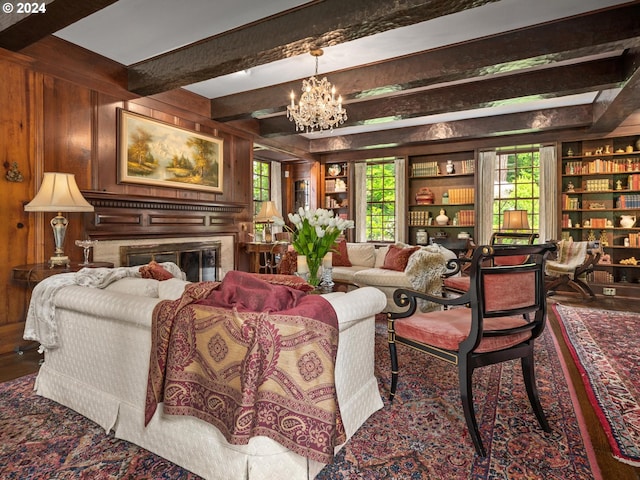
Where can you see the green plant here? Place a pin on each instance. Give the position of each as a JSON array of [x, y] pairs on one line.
[[314, 235]]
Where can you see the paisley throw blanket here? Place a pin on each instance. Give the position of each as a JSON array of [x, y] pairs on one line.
[[252, 359]]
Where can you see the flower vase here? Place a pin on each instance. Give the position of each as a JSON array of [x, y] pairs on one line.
[[314, 264]]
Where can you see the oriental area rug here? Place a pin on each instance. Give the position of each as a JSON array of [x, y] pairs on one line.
[[605, 346], [421, 435]]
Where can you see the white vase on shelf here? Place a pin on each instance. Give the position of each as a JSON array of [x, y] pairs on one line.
[[442, 219], [627, 221]]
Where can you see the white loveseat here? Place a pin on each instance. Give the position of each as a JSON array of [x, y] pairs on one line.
[[100, 367], [424, 268]]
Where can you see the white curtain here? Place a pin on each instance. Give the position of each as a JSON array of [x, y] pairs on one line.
[[360, 198], [401, 213], [548, 228], [486, 178], [276, 190]]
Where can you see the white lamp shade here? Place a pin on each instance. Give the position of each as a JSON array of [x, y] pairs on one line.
[[58, 193], [268, 210]]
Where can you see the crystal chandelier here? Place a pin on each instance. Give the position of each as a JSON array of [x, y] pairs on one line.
[[318, 107]]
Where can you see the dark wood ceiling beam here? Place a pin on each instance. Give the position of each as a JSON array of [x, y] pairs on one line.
[[545, 83], [19, 31], [602, 31], [614, 105], [502, 125], [325, 23]]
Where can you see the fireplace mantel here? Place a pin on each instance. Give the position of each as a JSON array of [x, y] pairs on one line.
[[128, 216]]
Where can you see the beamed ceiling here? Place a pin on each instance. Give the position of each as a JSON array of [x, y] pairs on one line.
[[493, 73]]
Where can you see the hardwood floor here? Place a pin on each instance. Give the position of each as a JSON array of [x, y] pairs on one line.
[[13, 365]]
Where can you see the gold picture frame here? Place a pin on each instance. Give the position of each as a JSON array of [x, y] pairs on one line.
[[155, 153]]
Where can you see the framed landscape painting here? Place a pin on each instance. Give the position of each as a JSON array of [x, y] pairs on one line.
[[162, 155]]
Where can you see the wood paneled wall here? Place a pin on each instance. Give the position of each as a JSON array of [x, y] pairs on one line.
[[58, 112]]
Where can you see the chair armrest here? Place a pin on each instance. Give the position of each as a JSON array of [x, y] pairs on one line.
[[405, 297], [455, 266]]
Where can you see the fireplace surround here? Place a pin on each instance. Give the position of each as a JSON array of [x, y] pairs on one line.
[[165, 229], [200, 261]]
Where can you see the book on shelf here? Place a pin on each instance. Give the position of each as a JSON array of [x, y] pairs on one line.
[[599, 276], [467, 166], [628, 201], [466, 218], [461, 195], [570, 203], [424, 169], [598, 222], [419, 218], [598, 165]]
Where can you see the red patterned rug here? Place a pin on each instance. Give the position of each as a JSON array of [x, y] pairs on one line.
[[421, 435], [606, 348], [40, 439]]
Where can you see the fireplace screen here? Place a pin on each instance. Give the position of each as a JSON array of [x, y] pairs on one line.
[[200, 261]]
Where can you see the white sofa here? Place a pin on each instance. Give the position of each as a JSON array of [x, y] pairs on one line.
[[101, 364], [366, 270]]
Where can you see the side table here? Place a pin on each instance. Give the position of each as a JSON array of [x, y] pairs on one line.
[[263, 255], [33, 273]]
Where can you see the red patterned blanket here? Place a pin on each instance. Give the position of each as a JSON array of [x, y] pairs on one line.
[[252, 359]]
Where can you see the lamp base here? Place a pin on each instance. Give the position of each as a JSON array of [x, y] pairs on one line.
[[267, 236], [59, 260]]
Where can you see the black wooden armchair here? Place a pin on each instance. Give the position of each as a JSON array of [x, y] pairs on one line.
[[507, 313]]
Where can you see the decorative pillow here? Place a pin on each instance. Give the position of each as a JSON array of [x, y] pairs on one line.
[[397, 257], [340, 257], [144, 287], [155, 271], [381, 252], [292, 281], [362, 254], [288, 263]]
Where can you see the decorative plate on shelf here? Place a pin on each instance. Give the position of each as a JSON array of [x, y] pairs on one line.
[[334, 170]]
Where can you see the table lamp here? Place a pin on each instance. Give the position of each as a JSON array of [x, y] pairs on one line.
[[515, 220], [58, 193], [268, 210]]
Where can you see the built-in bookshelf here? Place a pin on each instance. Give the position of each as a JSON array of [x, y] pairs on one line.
[[336, 191], [601, 201], [441, 183]]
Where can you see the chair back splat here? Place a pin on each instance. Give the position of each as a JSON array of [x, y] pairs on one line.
[[497, 319], [453, 282]]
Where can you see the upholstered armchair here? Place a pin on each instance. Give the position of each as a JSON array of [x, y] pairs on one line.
[[574, 261], [507, 312]]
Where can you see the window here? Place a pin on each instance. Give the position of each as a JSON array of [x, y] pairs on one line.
[[261, 184], [261, 189], [517, 184], [381, 200]]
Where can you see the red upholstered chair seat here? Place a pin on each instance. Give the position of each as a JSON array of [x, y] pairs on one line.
[[446, 329], [457, 284]]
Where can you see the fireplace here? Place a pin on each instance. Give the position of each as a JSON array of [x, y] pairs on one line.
[[141, 251], [198, 260]]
